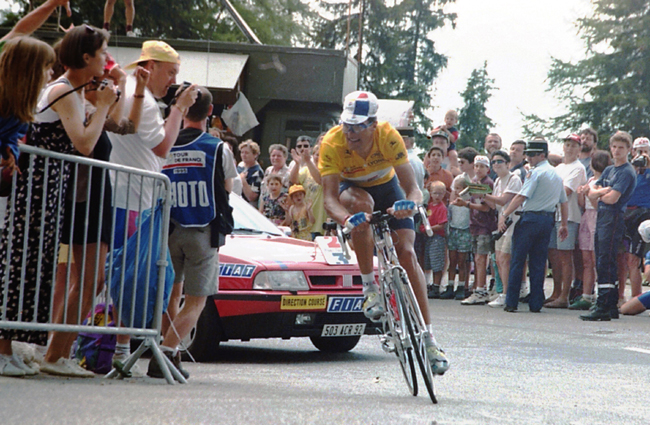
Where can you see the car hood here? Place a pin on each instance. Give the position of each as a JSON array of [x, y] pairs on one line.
[[271, 252]]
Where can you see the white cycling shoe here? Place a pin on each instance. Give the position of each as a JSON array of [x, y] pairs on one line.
[[437, 357], [372, 307]]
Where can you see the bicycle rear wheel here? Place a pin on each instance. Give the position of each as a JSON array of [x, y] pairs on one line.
[[416, 330], [400, 336]]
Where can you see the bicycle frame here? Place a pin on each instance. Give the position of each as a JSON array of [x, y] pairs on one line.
[[403, 324]]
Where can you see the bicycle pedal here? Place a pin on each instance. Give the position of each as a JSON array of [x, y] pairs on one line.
[[387, 345]]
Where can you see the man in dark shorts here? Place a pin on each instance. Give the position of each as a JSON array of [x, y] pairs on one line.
[[364, 167]]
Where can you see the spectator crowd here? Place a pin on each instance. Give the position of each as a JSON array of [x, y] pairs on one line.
[[495, 214]]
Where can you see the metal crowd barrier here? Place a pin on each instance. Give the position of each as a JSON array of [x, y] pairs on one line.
[[101, 290]]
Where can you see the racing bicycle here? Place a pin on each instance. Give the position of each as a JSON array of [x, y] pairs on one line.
[[404, 329]]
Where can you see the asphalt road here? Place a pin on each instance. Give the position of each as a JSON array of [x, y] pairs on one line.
[[523, 368]]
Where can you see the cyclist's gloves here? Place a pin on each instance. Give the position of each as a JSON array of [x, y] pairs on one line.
[[404, 204], [355, 220]]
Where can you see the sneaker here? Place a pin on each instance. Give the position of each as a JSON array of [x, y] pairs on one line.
[[448, 294], [437, 357], [477, 298], [500, 301], [66, 367], [7, 368], [118, 363], [523, 291], [459, 295], [468, 293], [597, 314], [130, 34], [493, 296], [18, 362], [581, 303], [576, 291], [525, 299], [433, 292], [154, 370], [372, 307]]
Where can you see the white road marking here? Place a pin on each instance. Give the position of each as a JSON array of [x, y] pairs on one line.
[[638, 350]]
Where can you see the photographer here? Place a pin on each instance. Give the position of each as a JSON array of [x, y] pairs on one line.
[[638, 209], [149, 146]]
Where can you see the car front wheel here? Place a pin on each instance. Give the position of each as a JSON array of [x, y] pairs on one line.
[[335, 344]]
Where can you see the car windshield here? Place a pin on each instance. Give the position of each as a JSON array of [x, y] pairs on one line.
[[249, 220]]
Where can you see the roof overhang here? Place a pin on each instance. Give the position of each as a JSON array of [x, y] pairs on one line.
[[219, 71]]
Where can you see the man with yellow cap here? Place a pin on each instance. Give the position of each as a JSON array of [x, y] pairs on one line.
[[149, 146]]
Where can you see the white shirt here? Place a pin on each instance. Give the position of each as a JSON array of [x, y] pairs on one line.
[[573, 176], [511, 184], [135, 150]]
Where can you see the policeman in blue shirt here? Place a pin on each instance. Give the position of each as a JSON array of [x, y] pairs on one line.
[[542, 191], [199, 214]]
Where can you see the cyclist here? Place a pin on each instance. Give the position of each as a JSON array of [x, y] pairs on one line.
[[365, 167]]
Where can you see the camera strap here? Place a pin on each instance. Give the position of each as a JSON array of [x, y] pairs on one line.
[[63, 95]]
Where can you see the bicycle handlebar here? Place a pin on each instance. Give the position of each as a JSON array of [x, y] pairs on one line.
[[379, 217]]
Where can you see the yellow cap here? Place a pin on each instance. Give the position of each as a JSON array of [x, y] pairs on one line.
[[296, 188], [155, 50]]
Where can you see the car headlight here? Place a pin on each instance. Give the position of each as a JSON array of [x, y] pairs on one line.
[[281, 281]]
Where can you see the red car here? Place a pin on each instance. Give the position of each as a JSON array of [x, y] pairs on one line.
[[274, 286]]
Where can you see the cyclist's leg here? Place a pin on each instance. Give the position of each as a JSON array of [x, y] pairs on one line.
[[357, 200], [407, 259]]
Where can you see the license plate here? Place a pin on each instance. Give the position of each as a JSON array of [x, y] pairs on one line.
[[344, 330]]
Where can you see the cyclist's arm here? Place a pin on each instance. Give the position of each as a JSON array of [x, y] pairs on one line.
[[333, 206], [406, 178]]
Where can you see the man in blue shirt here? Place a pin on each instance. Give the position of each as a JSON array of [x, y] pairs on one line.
[[613, 191], [542, 191], [200, 171]]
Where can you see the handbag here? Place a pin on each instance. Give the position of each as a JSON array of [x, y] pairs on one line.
[[129, 296]]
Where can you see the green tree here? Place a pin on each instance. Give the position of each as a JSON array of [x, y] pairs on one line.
[[473, 123], [608, 90], [398, 55], [536, 126], [278, 22]]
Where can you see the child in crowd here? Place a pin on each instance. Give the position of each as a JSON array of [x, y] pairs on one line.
[[640, 303], [437, 173], [441, 138], [599, 161], [435, 250], [459, 243], [451, 119], [613, 190], [24, 70], [300, 216], [274, 202], [483, 221], [466, 162]]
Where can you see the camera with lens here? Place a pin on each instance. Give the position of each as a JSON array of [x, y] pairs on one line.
[[499, 234], [640, 161]]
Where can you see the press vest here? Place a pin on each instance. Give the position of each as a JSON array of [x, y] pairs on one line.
[[191, 169]]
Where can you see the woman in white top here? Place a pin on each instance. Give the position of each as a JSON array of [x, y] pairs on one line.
[[506, 186], [60, 126]]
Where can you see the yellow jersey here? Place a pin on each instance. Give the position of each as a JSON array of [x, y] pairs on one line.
[[388, 150]]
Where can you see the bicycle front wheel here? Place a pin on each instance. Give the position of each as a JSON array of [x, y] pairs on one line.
[[399, 336], [416, 329]]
